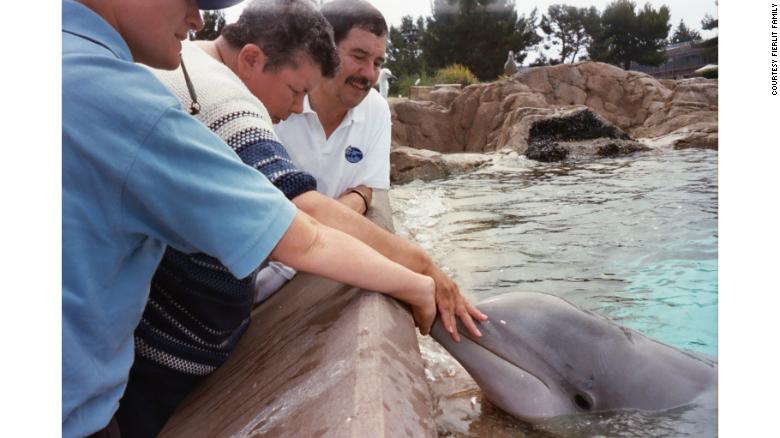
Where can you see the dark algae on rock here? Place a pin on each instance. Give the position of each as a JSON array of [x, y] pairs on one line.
[[576, 135]]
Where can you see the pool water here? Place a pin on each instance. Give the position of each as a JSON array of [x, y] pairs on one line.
[[632, 238]]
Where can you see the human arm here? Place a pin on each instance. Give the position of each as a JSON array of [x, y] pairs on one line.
[[450, 302], [312, 247], [269, 157], [358, 202]]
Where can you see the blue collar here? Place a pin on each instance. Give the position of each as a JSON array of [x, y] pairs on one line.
[[83, 22]]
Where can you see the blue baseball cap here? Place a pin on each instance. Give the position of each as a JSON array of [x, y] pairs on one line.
[[217, 4]]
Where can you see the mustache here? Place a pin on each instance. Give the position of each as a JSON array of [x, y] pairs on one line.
[[359, 82]]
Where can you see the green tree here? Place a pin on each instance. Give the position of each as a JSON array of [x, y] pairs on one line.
[[683, 34], [566, 26], [709, 23], [542, 60], [213, 23], [477, 34], [710, 52], [623, 35], [404, 57]]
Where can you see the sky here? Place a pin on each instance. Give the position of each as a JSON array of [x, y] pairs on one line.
[[691, 11]]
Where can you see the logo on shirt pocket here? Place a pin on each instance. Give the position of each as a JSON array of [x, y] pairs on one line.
[[353, 154]]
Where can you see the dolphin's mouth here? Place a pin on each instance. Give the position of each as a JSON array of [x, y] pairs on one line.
[[580, 400], [505, 359]]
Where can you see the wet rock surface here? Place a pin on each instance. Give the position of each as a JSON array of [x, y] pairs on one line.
[[577, 135], [408, 164], [550, 150], [581, 125]]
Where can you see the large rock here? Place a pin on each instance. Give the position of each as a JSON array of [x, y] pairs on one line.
[[444, 96], [550, 150], [469, 124], [408, 164], [426, 125], [688, 119], [578, 125], [702, 135], [577, 134], [498, 115]]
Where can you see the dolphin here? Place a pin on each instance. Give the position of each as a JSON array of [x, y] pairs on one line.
[[540, 357]]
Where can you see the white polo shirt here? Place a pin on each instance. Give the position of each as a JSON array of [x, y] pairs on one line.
[[357, 152]]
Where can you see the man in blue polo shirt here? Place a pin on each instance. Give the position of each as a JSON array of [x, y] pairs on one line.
[[139, 174], [136, 176]]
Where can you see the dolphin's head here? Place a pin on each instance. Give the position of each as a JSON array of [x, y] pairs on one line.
[[540, 356]]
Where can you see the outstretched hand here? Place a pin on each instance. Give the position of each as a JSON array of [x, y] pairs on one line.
[[451, 303]]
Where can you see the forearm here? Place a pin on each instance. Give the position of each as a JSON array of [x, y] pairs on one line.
[[339, 216], [357, 202], [309, 246]]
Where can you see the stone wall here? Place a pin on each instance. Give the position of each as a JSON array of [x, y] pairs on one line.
[[319, 359]]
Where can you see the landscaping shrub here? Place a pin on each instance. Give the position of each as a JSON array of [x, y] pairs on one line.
[[710, 74], [455, 74]]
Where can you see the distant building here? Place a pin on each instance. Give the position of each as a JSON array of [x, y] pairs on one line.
[[682, 59]]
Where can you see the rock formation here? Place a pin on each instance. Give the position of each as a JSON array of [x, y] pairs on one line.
[[408, 164], [501, 115]]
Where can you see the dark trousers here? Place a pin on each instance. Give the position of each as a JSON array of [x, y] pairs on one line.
[[110, 431], [153, 393]]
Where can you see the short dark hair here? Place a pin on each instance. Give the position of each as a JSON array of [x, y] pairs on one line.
[[282, 29], [343, 15]]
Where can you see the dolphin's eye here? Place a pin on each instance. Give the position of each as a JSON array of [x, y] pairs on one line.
[[582, 402]]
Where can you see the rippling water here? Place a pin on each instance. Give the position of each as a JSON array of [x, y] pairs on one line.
[[633, 238]]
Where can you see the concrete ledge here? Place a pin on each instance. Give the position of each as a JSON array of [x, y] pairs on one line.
[[318, 359]]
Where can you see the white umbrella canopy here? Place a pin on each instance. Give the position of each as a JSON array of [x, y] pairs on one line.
[[706, 68]]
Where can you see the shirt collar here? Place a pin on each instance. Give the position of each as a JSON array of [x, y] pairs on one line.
[[356, 114], [307, 106], [81, 21]]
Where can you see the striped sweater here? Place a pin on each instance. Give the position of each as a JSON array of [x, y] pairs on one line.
[[197, 311]]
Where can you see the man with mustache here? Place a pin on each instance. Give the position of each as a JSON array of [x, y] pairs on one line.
[[342, 138], [343, 135]]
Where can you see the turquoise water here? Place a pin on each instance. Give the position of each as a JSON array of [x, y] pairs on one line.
[[634, 239]]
